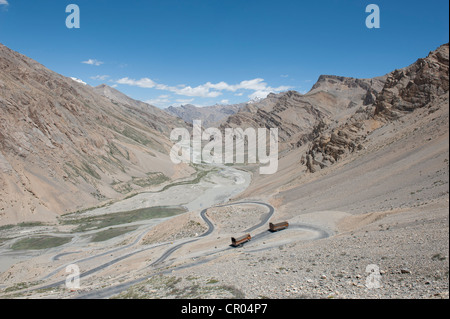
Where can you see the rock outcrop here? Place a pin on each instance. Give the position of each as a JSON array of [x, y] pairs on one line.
[[405, 90], [416, 85]]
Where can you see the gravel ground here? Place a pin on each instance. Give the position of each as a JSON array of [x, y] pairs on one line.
[[406, 249]]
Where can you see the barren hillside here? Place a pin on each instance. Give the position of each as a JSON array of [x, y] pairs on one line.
[[64, 147], [332, 100]]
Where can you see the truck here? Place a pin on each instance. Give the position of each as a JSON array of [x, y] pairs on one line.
[[236, 242], [278, 226]]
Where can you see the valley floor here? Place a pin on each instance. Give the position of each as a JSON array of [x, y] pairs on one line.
[[375, 225]]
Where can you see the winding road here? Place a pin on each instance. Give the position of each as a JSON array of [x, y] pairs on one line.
[[110, 291], [157, 266], [264, 221]]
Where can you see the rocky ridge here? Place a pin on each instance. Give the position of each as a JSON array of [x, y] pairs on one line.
[[416, 86]]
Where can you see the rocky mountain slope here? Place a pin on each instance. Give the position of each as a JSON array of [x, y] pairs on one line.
[[415, 86], [388, 190], [422, 84], [64, 146], [332, 100], [334, 118], [156, 118], [371, 129]]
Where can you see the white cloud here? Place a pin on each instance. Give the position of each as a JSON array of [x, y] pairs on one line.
[[200, 91], [78, 80], [92, 61], [209, 90], [255, 84], [225, 101], [262, 94], [160, 101], [100, 77], [143, 83], [259, 95], [4, 2], [184, 101]]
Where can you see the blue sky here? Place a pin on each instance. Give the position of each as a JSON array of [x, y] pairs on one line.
[[203, 52]]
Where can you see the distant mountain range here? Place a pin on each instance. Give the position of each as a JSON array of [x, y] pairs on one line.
[[209, 115], [66, 146]]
